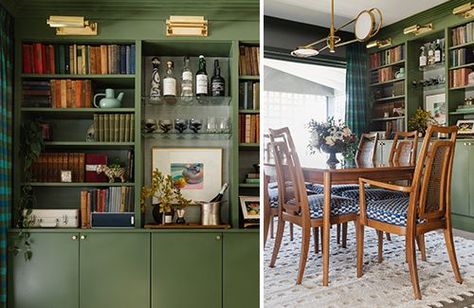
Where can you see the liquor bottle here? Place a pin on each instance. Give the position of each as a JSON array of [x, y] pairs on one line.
[[217, 82], [431, 54], [438, 52], [423, 59], [187, 82], [220, 194], [202, 82], [155, 91], [169, 84]]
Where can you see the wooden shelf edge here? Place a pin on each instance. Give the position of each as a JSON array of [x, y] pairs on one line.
[[388, 65], [386, 82], [186, 226]]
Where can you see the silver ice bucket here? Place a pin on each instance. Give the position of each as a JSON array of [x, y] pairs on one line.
[[210, 213]]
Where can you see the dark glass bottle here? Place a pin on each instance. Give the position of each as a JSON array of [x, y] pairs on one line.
[[217, 82], [202, 81]]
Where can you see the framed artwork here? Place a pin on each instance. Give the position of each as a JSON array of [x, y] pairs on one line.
[[250, 206], [197, 171], [436, 104], [466, 127]]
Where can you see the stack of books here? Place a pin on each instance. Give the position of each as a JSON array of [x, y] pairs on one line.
[[383, 74], [463, 34], [459, 77], [36, 93], [385, 57], [249, 60], [114, 127], [67, 93], [462, 56], [48, 167], [41, 58], [252, 178], [249, 95], [249, 125]]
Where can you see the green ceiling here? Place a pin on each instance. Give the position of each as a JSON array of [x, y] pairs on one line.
[[140, 9]]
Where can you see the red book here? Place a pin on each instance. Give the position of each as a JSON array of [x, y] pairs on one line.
[[52, 60], [43, 59], [38, 55], [26, 50], [92, 161]]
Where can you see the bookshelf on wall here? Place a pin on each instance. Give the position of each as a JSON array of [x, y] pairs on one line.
[[249, 118]]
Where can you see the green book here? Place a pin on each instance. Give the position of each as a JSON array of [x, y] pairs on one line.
[[127, 128], [122, 128], [106, 128], [100, 132], [96, 127], [116, 127], [111, 127], [252, 181], [132, 127]]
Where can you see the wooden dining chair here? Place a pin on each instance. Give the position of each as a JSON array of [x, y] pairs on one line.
[[299, 208], [365, 154], [427, 208]]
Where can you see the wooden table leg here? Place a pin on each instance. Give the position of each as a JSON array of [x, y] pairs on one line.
[[326, 225]]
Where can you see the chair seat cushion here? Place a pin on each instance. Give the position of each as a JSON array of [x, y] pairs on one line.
[[392, 211], [373, 194], [339, 206], [335, 189]]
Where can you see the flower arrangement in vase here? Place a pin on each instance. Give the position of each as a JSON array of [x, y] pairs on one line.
[[420, 121], [332, 137], [166, 198]]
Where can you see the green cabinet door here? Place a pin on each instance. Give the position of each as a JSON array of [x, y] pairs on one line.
[[115, 270], [51, 278], [186, 270], [241, 270], [460, 185]]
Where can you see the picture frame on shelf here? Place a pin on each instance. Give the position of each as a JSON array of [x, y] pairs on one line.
[[250, 206], [198, 171], [436, 104], [466, 127]]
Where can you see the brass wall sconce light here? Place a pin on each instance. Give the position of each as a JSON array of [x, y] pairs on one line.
[[186, 26], [379, 43], [418, 29], [465, 10], [72, 25]]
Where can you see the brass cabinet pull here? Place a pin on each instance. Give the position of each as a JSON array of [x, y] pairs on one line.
[[218, 237], [74, 237], [83, 237]]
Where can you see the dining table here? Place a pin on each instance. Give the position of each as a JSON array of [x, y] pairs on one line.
[[321, 173]]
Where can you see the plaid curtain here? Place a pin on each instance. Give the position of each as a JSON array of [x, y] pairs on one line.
[[356, 88], [6, 104]]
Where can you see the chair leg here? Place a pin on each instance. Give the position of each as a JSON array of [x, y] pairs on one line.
[[448, 237], [389, 237], [360, 248], [277, 245], [266, 227], [380, 246], [420, 240], [338, 233], [321, 233], [291, 231], [411, 255], [344, 235], [316, 239], [305, 237], [272, 222]]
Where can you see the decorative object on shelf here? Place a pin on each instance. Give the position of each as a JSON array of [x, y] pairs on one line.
[[165, 125], [181, 125], [66, 176], [433, 81], [72, 25], [54, 218], [250, 206], [466, 127], [400, 73], [217, 82], [420, 121], [466, 10], [109, 100], [46, 131], [195, 125], [169, 84], [112, 172], [330, 137], [186, 26], [180, 216], [187, 82], [366, 25], [166, 197], [386, 114], [196, 171], [379, 43], [202, 80], [418, 29], [90, 135], [210, 213], [398, 112], [155, 88], [436, 106], [150, 126]]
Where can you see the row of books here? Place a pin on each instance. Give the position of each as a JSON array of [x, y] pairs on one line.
[[462, 56], [67, 93], [463, 34], [249, 60], [41, 58], [249, 95], [114, 127], [383, 74], [249, 125], [83, 166], [252, 178], [390, 90], [459, 77], [109, 200], [36, 93], [388, 56], [379, 110]]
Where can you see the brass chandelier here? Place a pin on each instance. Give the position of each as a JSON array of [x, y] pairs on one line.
[[366, 24]]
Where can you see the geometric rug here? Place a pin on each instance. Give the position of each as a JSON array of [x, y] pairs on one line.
[[385, 284]]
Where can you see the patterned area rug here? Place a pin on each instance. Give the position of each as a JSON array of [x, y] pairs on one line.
[[383, 285]]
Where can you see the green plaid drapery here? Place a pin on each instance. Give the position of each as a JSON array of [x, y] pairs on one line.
[[6, 104], [356, 88]]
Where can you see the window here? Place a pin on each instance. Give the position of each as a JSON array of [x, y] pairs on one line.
[[295, 93]]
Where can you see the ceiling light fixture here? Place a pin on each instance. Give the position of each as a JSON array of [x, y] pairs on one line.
[[366, 24], [418, 29], [186, 26], [72, 25], [380, 43], [466, 10]]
